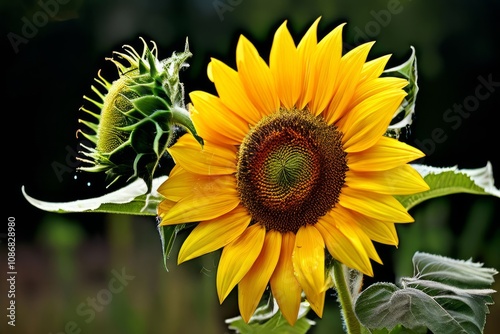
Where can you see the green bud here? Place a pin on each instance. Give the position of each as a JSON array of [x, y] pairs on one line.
[[139, 115]]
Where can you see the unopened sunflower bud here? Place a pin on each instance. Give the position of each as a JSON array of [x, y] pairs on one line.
[[139, 114]]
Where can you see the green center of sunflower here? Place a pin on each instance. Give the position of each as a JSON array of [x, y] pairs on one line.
[[291, 168]]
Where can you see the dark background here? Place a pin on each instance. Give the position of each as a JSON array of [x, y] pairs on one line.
[[64, 259]]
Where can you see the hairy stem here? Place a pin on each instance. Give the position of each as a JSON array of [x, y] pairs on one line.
[[341, 280]]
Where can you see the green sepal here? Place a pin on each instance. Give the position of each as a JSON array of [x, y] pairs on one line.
[[181, 117], [149, 104], [152, 64], [403, 117], [168, 233], [143, 135]]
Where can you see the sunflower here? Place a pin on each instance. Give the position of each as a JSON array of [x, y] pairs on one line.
[[294, 168]]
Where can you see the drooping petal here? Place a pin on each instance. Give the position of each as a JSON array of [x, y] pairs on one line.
[[351, 65], [377, 230], [232, 92], [237, 258], [285, 67], [352, 230], [388, 153], [213, 234], [324, 69], [349, 251], [378, 206], [380, 231], [256, 77], [286, 290], [309, 264], [216, 122], [401, 180], [210, 159], [208, 200], [253, 284]]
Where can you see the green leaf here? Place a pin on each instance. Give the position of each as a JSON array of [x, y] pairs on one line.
[[445, 295], [458, 273], [268, 319], [400, 330], [403, 117], [452, 180], [181, 117], [132, 199]]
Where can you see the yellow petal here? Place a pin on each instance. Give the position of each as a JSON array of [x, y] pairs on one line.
[[401, 180], [213, 234], [232, 93], [164, 185], [210, 74], [380, 231], [210, 160], [286, 290], [368, 121], [164, 207], [285, 67], [317, 301], [373, 69], [256, 77], [183, 184], [211, 200], [306, 49], [351, 228], [351, 65], [375, 86], [388, 153], [325, 66], [252, 286], [237, 258], [214, 121], [378, 206], [309, 264], [347, 250], [377, 230]]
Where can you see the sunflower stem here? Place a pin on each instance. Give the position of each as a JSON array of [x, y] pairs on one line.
[[341, 277]]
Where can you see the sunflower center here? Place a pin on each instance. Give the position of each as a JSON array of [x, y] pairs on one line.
[[291, 168]]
